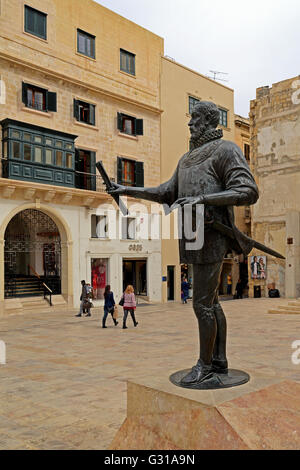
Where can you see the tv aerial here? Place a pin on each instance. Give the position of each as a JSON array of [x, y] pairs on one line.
[[216, 77]]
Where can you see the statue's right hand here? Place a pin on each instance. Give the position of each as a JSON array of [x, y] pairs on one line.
[[116, 189]]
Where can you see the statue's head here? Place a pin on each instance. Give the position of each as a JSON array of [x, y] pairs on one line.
[[205, 116]]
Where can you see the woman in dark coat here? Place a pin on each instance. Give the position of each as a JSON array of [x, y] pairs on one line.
[[184, 291], [109, 306]]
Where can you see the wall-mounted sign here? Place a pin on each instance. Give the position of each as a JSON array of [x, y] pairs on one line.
[[258, 267], [136, 248]]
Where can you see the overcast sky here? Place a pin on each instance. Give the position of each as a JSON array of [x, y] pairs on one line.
[[256, 42]]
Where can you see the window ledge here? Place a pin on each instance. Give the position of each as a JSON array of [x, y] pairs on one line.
[[36, 111], [87, 126], [31, 35], [85, 56], [107, 239], [127, 74], [128, 136]]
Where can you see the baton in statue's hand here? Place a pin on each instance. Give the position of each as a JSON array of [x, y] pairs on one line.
[[109, 185]]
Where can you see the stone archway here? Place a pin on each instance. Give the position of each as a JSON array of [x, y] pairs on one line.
[[66, 245]]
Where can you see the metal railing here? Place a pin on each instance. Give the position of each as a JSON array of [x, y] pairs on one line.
[[43, 285]]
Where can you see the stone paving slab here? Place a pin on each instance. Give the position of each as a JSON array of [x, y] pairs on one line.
[[65, 382]]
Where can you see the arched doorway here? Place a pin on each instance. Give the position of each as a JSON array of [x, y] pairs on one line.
[[32, 254]]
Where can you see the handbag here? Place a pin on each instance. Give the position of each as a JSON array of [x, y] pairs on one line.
[[122, 301], [115, 314], [88, 304]]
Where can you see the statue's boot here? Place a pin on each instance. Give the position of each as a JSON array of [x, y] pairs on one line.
[[203, 370], [219, 360], [199, 373]]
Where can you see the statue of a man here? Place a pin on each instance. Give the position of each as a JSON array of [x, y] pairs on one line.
[[214, 173]]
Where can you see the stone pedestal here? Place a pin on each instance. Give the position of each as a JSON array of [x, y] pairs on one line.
[[263, 414]]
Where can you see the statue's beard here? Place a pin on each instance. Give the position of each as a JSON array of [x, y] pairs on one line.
[[200, 133]]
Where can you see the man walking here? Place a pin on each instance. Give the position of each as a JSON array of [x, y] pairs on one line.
[[84, 301]]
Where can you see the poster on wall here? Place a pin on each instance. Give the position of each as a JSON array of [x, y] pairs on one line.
[[99, 277], [258, 267]]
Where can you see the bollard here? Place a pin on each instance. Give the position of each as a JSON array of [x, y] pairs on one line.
[[2, 353]]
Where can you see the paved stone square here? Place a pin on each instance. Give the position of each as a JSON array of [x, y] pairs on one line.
[[64, 385]]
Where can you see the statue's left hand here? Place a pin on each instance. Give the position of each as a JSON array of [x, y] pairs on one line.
[[187, 201]]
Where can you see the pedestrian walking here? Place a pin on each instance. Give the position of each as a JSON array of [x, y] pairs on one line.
[[129, 305], [109, 306], [84, 301], [184, 290], [229, 284], [239, 289]]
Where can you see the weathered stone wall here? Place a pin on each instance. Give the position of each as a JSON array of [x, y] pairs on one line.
[[275, 147]]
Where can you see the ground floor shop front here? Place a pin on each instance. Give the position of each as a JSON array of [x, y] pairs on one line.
[[50, 248]]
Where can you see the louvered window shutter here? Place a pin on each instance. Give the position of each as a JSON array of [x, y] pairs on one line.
[[139, 127], [119, 170], [24, 93], [120, 122], [52, 102], [139, 174], [92, 114], [76, 110]]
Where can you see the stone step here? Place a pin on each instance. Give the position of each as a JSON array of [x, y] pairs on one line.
[[295, 303], [289, 307], [284, 312]]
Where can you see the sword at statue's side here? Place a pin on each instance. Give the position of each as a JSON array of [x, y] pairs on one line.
[[108, 184], [229, 232]]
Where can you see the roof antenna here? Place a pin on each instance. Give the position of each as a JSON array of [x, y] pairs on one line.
[[215, 75]]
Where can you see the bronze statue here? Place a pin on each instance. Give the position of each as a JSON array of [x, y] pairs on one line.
[[214, 173]]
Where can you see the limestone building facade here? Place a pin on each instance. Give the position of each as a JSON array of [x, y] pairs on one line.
[[79, 84], [275, 147]]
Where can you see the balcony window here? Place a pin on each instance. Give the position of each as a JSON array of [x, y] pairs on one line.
[[84, 112], [86, 44], [49, 157], [130, 125], [27, 152], [59, 158], [69, 160], [16, 150], [33, 157], [130, 172], [38, 98], [35, 22], [38, 154], [127, 62]]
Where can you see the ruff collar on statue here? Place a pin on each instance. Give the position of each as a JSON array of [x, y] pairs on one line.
[[209, 136]]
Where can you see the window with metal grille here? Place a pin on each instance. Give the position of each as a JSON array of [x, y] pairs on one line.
[[127, 62], [86, 44], [35, 22]]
